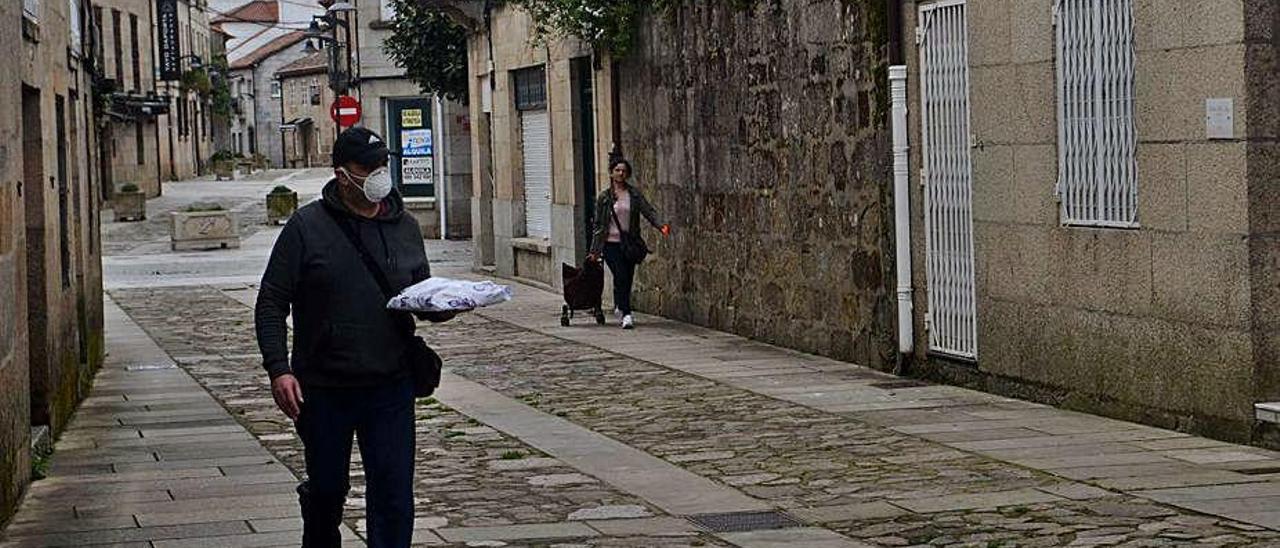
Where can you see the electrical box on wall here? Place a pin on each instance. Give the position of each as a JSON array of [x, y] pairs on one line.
[[1219, 118]]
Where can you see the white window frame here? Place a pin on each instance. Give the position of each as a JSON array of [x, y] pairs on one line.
[[276, 89], [73, 25], [31, 10], [1097, 141]]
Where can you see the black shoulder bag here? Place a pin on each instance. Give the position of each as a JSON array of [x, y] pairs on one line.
[[424, 363], [633, 246]]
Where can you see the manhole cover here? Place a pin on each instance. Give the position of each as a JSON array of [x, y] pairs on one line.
[[894, 385], [744, 521]]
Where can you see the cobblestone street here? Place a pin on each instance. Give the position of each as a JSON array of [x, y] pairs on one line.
[[585, 436], [867, 482]]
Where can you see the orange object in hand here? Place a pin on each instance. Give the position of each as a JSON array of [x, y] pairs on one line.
[[666, 230]]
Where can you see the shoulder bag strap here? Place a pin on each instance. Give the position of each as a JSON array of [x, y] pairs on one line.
[[369, 263], [614, 212]]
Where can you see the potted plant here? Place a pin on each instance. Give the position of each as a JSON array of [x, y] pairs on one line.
[[224, 166], [281, 203], [129, 203], [204, 226]]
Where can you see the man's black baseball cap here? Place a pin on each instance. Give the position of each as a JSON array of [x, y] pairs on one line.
[[359, 145]]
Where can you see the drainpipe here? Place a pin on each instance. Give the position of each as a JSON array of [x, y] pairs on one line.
[[442, 152], [901, 204], [901, 178]]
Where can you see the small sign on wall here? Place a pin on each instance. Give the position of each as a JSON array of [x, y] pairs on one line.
[[416, 142], [1219, 118], [418, 170], [411, 117]]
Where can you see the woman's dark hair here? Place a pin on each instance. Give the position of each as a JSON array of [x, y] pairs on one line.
[[619, 161]]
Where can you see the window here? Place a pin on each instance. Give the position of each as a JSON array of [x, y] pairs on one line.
[[134, 52], [275, 89], [64, 224], [531, 88], [182, 118], [140, 142], [97, 35], [1097, 168], [314, 91], [31, 10], [118, 59], [73, 23], [253, 141]]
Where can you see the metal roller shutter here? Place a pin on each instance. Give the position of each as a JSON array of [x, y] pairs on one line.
[[535, 131]]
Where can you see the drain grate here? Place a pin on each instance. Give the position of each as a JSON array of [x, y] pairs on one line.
[[736, 522], [894, 385]]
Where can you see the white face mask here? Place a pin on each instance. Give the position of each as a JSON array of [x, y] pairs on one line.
[[376, 185]]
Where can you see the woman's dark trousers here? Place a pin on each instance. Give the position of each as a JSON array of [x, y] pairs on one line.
[[624, 273], [382, 418]]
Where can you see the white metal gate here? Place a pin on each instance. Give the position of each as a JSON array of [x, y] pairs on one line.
[[535, 133], [947, 178]]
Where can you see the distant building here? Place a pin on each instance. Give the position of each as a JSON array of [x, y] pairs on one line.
[[259, 94], [307, 131], [437, 182]]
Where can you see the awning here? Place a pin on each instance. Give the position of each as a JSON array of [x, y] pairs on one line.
[[138, 106], [295, 124]]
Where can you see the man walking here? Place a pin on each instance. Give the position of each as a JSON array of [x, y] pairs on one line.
[[348, 372]]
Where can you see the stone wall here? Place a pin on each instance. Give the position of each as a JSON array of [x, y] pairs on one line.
[[1262, 64], [762, 138], [51, 339], [1150, 324], [15, 465]]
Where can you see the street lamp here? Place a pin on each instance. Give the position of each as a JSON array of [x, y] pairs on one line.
[[196, 61]]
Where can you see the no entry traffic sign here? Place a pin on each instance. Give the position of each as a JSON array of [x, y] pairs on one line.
[[345, 111]]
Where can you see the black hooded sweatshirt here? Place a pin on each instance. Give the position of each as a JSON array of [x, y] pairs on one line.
[[343, 334]]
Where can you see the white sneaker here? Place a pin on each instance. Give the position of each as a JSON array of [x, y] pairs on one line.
[[627, 322], [617, 313]]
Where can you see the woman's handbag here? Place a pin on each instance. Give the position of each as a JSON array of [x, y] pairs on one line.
[[633, 246]]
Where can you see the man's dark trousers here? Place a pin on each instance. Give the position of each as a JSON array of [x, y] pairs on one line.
[[382, 419]]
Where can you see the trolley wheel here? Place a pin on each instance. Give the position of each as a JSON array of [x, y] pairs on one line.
[[564, 316], [599, 316]]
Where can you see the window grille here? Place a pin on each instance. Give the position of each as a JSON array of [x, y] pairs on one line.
[[1097, 165], [531, 88]]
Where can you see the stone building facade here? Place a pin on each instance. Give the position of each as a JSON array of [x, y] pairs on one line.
[[384, 93], [186, 131], [532, 201], [1170, 318], [260, 94], [1089, 206], [763, 141], [51, 338], [307, 131], [131, 135]]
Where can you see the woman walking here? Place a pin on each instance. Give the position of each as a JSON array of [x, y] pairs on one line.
[[616, 233]]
